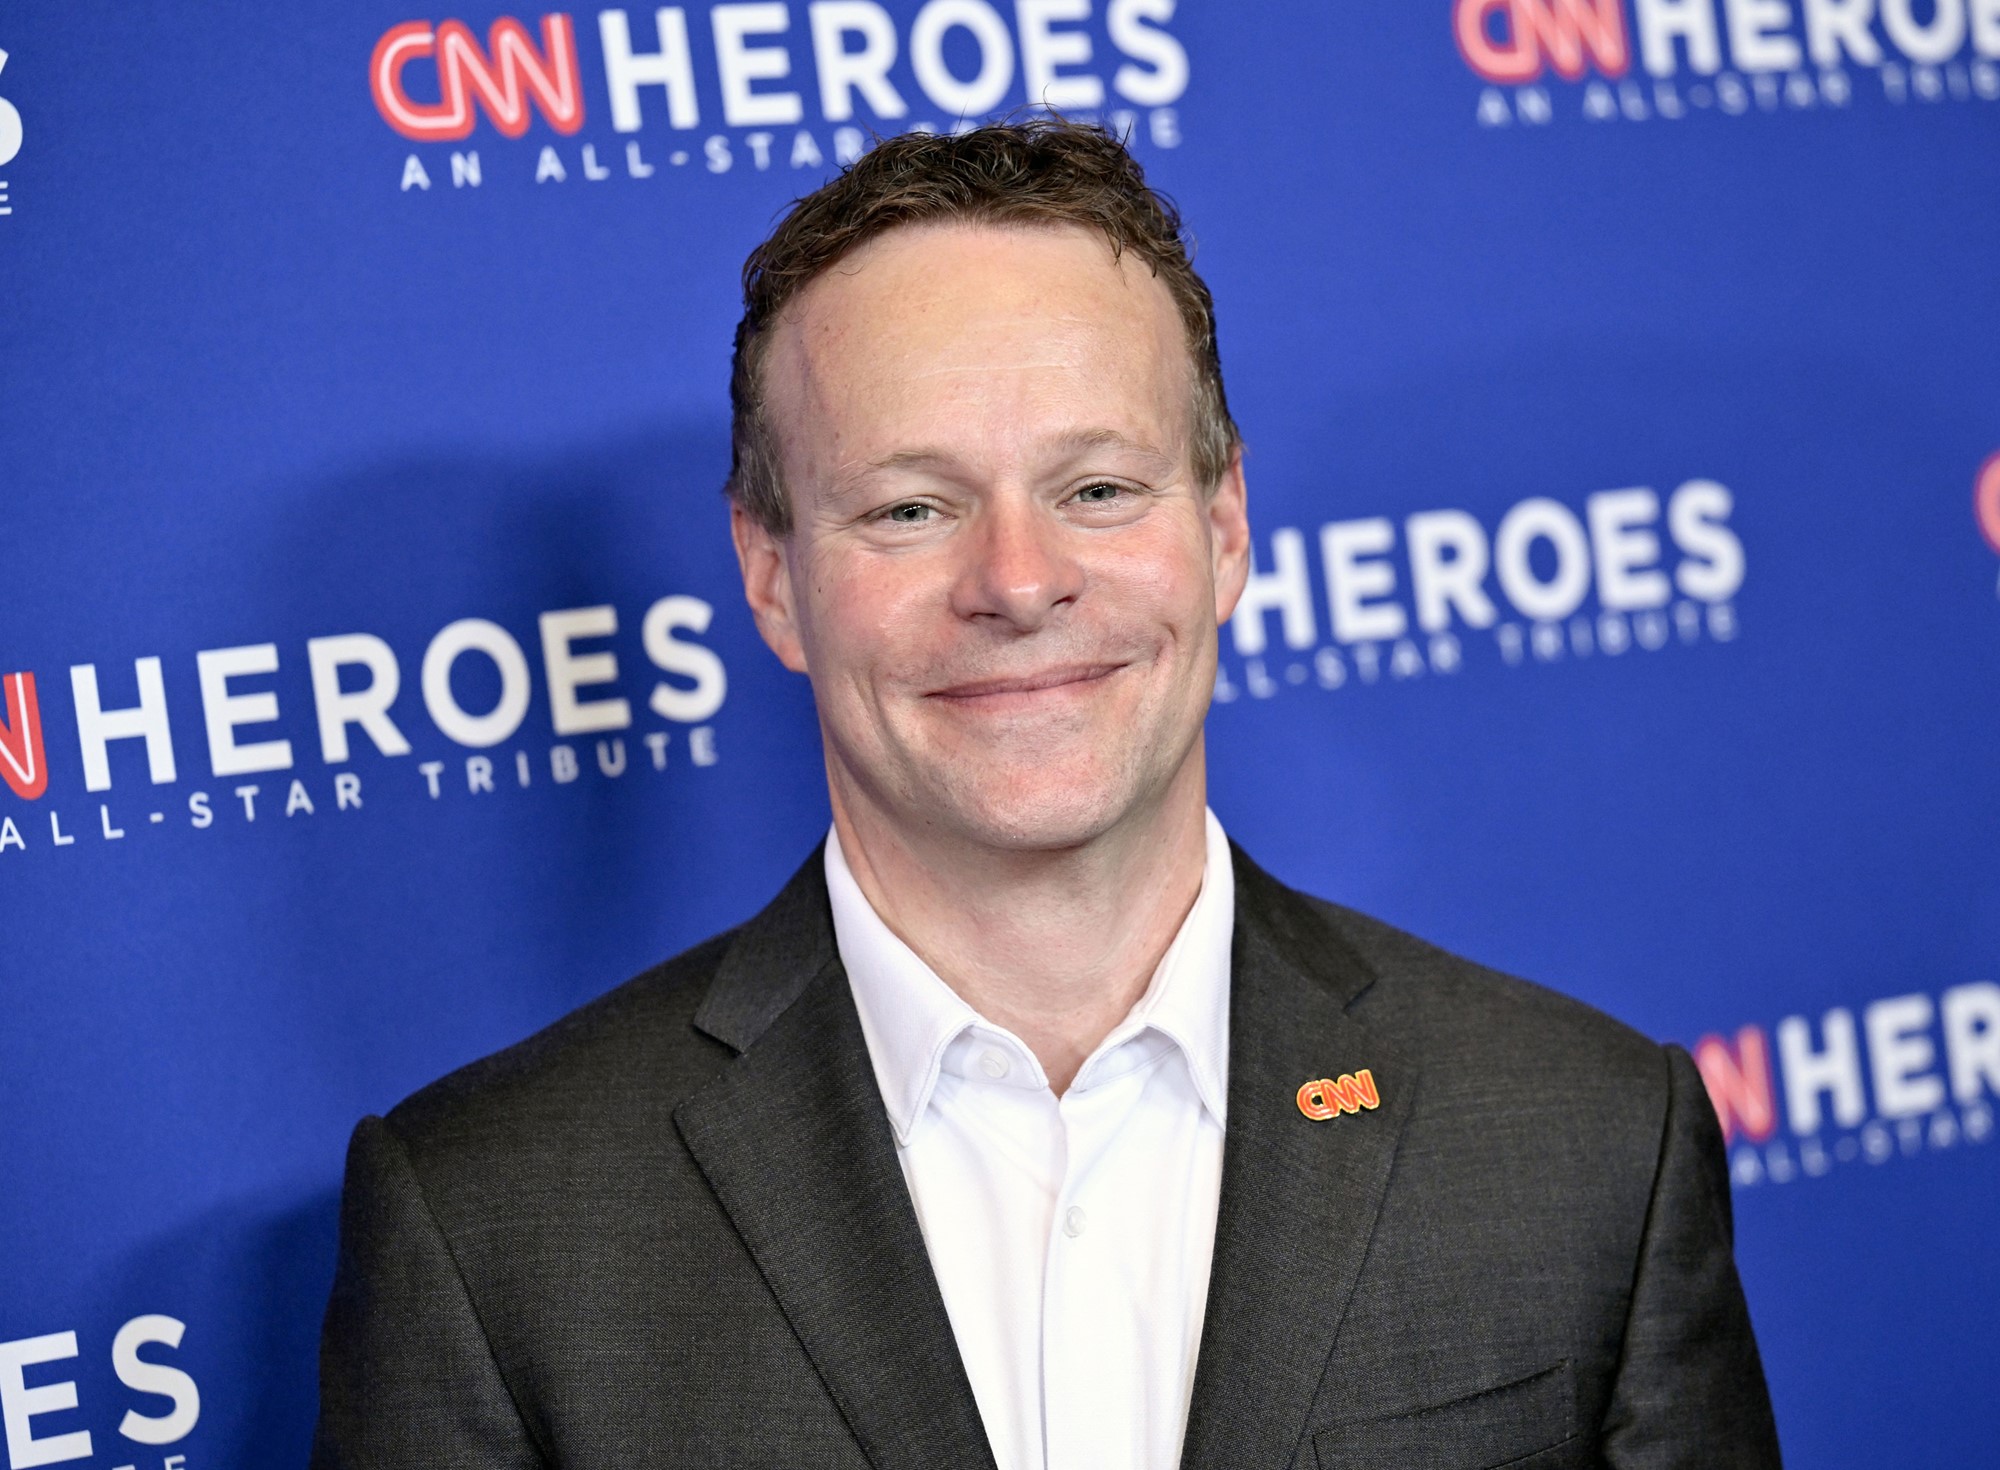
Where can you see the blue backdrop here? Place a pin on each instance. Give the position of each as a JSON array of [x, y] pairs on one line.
[[1619, 377]]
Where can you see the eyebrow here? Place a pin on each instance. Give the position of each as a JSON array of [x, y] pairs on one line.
[[1069, 446], [1084, 440]]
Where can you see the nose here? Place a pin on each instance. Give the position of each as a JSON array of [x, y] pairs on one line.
[[1019, 568]]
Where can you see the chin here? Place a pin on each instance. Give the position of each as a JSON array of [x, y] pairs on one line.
[[1027, 811]]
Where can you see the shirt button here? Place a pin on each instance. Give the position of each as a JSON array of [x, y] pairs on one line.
[[1074, 1221], [994, 1065]]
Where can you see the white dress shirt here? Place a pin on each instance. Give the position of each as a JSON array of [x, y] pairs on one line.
[[1070, 1236]]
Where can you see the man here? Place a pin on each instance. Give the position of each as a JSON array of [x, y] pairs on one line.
[[1032, 1125]]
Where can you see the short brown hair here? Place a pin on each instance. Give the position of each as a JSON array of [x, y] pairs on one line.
[[1044, 170]]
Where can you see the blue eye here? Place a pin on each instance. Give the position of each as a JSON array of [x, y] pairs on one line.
[[914, 513], [1099, 494]]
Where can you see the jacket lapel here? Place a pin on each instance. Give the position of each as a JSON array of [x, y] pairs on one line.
[[1299, 1196], [795, 1143]]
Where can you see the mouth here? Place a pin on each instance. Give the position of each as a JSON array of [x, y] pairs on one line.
[[1064, 678]]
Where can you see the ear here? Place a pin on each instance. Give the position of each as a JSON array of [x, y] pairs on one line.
[[1229, 537], [767, 586]]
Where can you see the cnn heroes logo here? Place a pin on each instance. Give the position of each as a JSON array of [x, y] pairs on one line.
[[1910, 1074], [53, 1397], [1400, 600], [356, 681], [1731, 57], [791, 81]]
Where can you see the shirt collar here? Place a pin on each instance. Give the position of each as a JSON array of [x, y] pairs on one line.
[[910, 1017]]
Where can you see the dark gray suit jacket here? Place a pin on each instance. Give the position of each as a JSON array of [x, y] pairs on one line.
[[671, 1231]]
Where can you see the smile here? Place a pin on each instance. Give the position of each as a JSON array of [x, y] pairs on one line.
[[1067, 676]]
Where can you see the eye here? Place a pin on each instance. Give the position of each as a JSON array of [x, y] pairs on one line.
[[1101, 493], [909, 513]]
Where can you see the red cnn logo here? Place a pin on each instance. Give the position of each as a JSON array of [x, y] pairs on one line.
[[21, 758], [505, 78], [1739, 1083], [1327, 1097], [1509, 41], [1986, 500]]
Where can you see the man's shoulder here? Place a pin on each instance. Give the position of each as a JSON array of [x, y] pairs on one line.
[[621, 1062], [1535, 1095], [1477, 1031]]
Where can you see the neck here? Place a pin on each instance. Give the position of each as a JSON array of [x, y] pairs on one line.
[[1056, 946]]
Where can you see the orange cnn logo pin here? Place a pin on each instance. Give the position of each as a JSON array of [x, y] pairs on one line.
[[1324, 1097]]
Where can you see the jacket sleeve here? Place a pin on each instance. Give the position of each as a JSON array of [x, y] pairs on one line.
[[1690, 1390], [407, 1378]]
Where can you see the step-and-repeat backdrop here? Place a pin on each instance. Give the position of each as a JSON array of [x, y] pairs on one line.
[[1623, 398]]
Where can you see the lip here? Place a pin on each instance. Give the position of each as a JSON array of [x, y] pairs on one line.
[[1061, 677]]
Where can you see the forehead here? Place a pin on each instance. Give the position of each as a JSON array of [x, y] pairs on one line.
[[975, 330]]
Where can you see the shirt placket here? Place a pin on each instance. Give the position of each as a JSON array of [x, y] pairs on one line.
[[1083, 1332]]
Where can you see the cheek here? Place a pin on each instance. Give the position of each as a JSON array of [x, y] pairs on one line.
[[1163, 579], [866, 616]]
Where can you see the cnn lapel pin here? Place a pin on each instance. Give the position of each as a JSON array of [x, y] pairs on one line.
[[1328, 1097]]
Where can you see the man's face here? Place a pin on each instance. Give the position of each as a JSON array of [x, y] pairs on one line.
[[1002, 579]]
